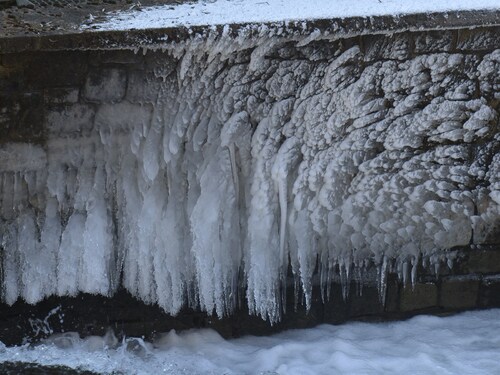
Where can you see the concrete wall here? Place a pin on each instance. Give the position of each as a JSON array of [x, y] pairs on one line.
[[42, 91]]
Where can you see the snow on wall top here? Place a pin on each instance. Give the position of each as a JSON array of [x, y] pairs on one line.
[[220, 12]]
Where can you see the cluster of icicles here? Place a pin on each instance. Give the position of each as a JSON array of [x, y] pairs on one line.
[[246, 167]]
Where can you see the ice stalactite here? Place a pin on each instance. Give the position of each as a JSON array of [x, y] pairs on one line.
[[247, 163]]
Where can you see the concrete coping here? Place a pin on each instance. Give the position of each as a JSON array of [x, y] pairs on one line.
[[164, 37]]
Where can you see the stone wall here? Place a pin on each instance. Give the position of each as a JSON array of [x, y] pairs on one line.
[[67, 92]]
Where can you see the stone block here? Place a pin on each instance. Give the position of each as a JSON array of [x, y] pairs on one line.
[[9, 110], [482, 261], [383, 47], [116, 57], [105, 85], [70, 119], [478, 39], [123, 116], [421, 296], [335, 309], [11, 74], [13, 59], [493, 236], [161, 64], [393, 296], [10, 69], [142, 87], [459, 292], [56, 69], [433, 41], [489, 291], [21, 117], [368, 303], [61, 95]]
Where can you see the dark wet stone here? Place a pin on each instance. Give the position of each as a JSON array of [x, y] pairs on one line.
[[459, 293], [23, 368], [489, 291], [420, 296]]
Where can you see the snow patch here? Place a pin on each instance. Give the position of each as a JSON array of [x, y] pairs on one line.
[[222, 12]]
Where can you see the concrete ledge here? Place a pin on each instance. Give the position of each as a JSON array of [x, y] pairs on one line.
[[339, 28]]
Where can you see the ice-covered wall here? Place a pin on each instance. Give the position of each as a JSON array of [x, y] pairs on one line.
[[201, 175]]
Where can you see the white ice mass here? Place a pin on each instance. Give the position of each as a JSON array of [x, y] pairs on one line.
[[246, 157], [466, 344]]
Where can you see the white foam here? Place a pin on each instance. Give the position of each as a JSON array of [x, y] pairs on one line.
[[463, 344]]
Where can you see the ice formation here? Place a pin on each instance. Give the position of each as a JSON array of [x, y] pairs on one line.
[[250, 157]]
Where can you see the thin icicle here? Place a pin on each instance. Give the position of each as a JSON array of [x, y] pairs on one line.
[[382, 288]]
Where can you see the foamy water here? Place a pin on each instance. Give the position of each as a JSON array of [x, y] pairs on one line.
[[468, 343]]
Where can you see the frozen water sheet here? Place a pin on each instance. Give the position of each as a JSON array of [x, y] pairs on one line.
[[465, 344], [221, 12]]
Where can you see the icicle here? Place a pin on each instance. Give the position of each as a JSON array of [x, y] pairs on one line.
[[331, 272], [10, 258], [234, 130], [234, 171], [449, 263], [323, 276], [359, 282], [285, 162], [282, 197], [436, 268], [152, 142], [345, 279], [69, 255], [97, 241], [382, 289], [8, 196], [405, 267], [49, 244], [414, 269], [30, 262], [170, 267]]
